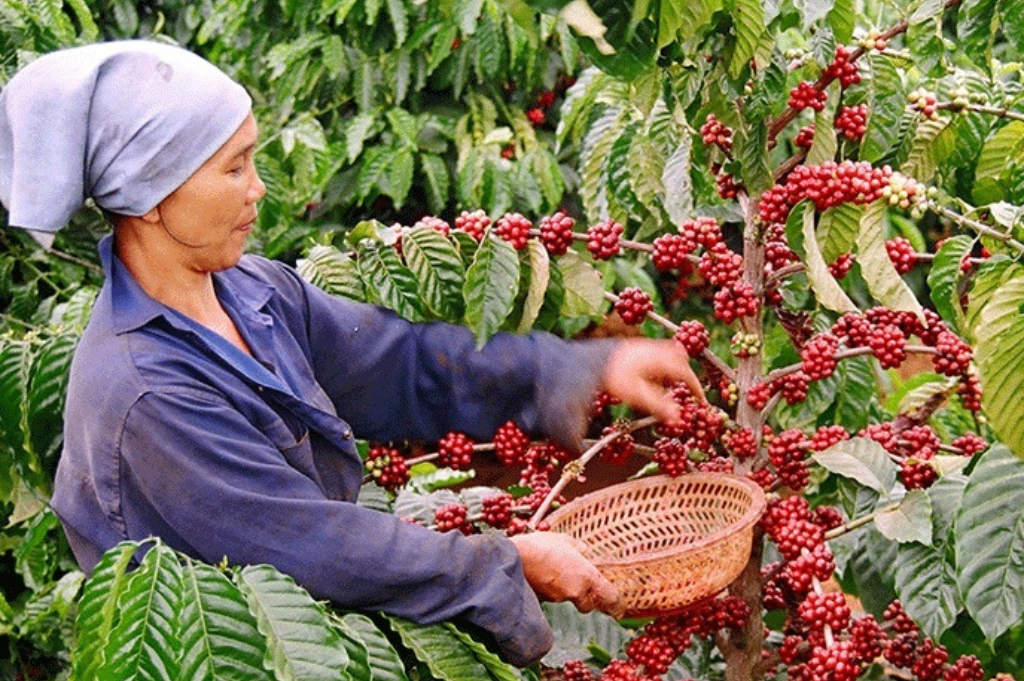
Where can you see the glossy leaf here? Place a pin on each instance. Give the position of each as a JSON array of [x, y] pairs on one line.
[[584, 292], [540, 276], [861, 459], [678, 198], [301, 645], [385, 664], [825, 144], [999, 354], [500, 670], [390, 281], [437, 266], [885, 284], [934, 142], [826, 289], [97, 610], [217, 636], [911, 521], [448, 658], [926, 575], [990, 542], [492, 282], [748, 21], [335, 272], [576, 633], [596, 147], [887, 99], [945, 276], [976, 29], [1006, 146], [46, 390], [837, 230], [143, 644]]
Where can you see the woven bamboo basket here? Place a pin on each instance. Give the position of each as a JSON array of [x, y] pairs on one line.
[[666, 543]]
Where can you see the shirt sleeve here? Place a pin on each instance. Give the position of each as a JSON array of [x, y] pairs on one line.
[[392, 379], [193, 466]]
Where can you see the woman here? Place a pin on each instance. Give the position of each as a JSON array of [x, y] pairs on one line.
[[214, 397]]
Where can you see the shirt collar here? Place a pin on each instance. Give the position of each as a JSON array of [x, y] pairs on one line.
[[132, 308]]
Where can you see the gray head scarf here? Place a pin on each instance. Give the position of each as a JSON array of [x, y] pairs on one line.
[[125, 123]]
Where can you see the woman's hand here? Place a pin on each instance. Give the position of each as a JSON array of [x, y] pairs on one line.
[[640, 370], [556, 569]]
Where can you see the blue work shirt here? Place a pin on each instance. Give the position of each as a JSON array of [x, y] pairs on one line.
[[170, 431]]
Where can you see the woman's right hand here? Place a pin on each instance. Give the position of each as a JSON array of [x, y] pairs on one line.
[[556, 569]]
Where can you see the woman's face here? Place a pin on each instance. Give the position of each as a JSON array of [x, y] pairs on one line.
[[212, 213]]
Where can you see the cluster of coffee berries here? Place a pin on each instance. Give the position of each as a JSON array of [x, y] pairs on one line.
[[745, 345], [874, 41], [806, 95], [455, 450], [511, 444], [924, 101], [725, 184], [906, 192], [633, 304], [387, 467], [603, 239], [556, 233], [818, 356], [496, 510], [434, 223], [843, 69], [901, 253], [851, 121], [804, 137], [827, 185], [670, 251], [788, 453], [841, 266], [714, 132], [693, 337], [515, 229], [473, 223], [453, 517], [619, 450]]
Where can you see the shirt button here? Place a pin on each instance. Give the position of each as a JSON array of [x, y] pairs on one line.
[[346, 433], [259, 388]]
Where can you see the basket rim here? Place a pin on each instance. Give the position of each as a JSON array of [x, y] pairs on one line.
[[745, 522]]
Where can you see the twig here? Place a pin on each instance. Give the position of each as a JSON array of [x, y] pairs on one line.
[[980, 108], [574, 469], [858, 522], [845, 354], [980, 228], [783, 272]]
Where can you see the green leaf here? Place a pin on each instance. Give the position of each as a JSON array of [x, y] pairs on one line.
[[812, 11], [825, 145], [1010, 12], [400, 176], [576, 633], [751, 149], [356, 134], [887, 100], [399, 21], [385, 275], [436, 181], [990, 542], [301, 644], [447, 657], [678, 197], [911, 521], [987, 280], [686, 19], [596, 147], [999, 354], [837, 230], [826, 289], [748, 21], [502, 671], [358, 657], [1001, 149], [926, 575], [439, 269], [421, 506], [540, 276], [584, 292], [976, 30], [861, 459], [47, 386], [880, 274], [623, 203], [335, 272], [492, 282], [934, 142], [842, 18], [385, 664], [144, 643], [217, 636], [97, 610], [945, 276], [15, 362], [440, 478]]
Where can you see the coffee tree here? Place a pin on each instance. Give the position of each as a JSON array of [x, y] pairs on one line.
[[790, 167]]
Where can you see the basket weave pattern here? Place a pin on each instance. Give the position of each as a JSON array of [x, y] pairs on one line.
[[666, 542]]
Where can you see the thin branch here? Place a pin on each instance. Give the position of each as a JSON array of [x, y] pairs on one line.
[[980, 108], [574, 469], [845, 354], [783, 272], [858, 522], [78, 261], [980, 228]]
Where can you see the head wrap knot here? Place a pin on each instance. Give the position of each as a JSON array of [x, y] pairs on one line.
[[125, 123]]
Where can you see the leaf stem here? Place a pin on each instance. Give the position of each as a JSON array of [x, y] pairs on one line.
[[980, 108], [980, 228], [858, 522]]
